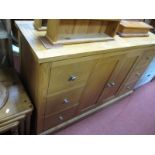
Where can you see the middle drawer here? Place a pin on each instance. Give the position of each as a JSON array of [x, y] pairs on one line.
[[136, 74], [56, 119], [62, 101]]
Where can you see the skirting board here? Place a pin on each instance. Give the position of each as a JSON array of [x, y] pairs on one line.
[[79, 117]]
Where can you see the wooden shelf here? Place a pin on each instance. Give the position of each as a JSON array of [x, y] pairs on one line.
[[72, 31]]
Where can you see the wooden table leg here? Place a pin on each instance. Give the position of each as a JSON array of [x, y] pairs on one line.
[[28, 124], [13, 127], [14, 131], [22, 127]]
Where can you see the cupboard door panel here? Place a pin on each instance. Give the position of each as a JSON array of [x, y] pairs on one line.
[[62, 101], [113, 82], [125, 64], [97, 80], [116, 79]]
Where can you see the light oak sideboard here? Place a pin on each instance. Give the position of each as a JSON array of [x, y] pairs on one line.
[[69, 82]]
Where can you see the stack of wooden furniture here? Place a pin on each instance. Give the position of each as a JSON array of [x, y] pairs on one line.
[[69, 82], [15, 114], [15, 105]]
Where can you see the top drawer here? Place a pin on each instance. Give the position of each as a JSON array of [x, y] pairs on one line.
[[70, 73]]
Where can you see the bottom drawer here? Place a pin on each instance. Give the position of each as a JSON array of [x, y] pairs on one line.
[[54, 120]]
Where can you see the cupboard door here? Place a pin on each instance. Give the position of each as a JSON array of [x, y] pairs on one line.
[[125, 64], [97, 80], [145, 56]]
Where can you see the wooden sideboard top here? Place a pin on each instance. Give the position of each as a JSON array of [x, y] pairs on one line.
[[61, 52]]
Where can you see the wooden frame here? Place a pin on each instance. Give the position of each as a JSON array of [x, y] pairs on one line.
[[40, 24], [69, 31]]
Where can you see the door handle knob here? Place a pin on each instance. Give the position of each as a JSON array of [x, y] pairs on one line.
[[111, 84], [66, 101], [72, 78], [61, 118]]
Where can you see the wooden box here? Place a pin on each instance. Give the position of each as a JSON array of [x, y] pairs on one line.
[[40, 24], [133, 29], [68, 31]]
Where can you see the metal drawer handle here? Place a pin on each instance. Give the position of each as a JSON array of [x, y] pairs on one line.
[[61, 118], [111, 84], [128, 87], [147, 58], [72, 78], [66, 101]]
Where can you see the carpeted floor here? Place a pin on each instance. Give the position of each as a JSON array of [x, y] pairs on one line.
[[134, 114]]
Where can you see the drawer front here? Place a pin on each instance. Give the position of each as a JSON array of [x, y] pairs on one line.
[[62, 101], [57, 119], [146, 59], [136, 74], [70, 73]]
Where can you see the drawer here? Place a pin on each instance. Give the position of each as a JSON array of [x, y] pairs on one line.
[[70, 73], [62, 101], [146, 59], [136, 74], [57, 119]]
